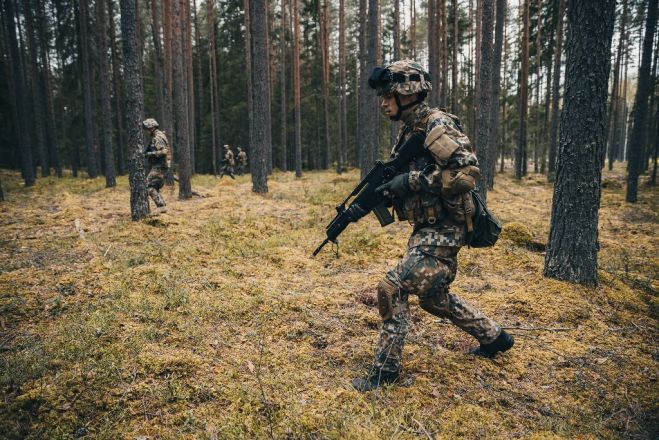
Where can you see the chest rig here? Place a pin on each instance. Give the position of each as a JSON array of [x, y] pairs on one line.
[[424, 207]]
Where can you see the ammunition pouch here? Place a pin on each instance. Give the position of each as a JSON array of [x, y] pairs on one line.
[[459, 180]]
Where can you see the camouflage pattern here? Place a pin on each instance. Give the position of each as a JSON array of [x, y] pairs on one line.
[[427, 270], [429, 266], [227, 163], [158, 155], [407, 67], [242, 162]]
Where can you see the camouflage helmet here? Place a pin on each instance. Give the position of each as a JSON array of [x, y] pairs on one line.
[[226, 147], [150, 123], [405, 77]]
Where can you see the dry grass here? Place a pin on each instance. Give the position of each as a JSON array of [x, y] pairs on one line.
[[212, 320]]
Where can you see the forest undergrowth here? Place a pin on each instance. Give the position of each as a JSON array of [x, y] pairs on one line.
[[213, 321]]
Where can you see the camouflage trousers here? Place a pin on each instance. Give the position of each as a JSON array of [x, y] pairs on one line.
[[154, 181], [425, 271], [226, 169]]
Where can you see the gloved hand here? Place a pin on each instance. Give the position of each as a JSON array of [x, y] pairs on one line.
[[149, 153], [398, 186]]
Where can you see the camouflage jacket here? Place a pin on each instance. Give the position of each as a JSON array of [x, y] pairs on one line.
[[242, 158], [438, 219], [228, 158], [158, 151]]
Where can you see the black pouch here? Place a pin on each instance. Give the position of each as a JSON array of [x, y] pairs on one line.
[[486, 226]]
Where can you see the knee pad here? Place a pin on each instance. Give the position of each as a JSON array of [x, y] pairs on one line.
[[386, 292]]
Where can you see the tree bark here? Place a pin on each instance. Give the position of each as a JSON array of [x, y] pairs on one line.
[[443, 96], [106, 111], [393, 134], [638, 137], [139, 204], [180, 101], [282, 86], [454, 64], [495, 90], [51, 128], [614, 105], [118, 95], [158, 62], [200, 80], [343, 109], [371, 99], [19, 88], [483, 141], [212, 61], [412, 27], [189, 77], [32, 74], [261, 96], [92, 171], [362, 117], [520, 157], [573, 241], [553, 130], [168, 123], [296, 90], [323, 10]]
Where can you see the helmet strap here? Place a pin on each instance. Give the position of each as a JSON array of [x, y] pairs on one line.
[[401, 108]]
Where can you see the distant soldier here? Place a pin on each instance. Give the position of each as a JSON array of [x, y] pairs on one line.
[[158, 156], [228, 163], [242, 162]]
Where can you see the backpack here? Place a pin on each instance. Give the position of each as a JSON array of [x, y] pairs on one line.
[[486, 227]]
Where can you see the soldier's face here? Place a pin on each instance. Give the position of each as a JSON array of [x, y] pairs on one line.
[[389, 106]]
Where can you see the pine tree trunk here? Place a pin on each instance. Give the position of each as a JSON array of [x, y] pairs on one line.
[[412, 27], [261, 96], [343, 108], [296, 90], [443, 98], [189, 76], [553, 130], [454, 65], [180, 101], [106, 111], [249, 74], [92, 171], [371, 99], [520, 157], [483, 141], [638, 137], [495, 90], [168, 117], [282, 87], [362, 117], [139, 204], [614, 105], [393, 134], [212, 68], [158, 62], [200, 80], [433, 97], [573, 241], [18, 85], [32, 74], [118, 95], [323, 17], [538, 59], [51, 129]]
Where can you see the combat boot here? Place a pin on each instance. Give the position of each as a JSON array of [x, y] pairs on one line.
[[502, 343], [157, 198], [374, 380]]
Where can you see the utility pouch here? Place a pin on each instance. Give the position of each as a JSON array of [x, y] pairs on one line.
[[459, 180]]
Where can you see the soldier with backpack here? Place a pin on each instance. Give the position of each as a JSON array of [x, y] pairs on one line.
[[432, 194]]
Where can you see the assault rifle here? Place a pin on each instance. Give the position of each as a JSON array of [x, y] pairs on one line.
[[366, 199]]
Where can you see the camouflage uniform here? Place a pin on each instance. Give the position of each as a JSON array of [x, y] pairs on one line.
[[227, 163], [242, 161], [430, 263], [158, 155]]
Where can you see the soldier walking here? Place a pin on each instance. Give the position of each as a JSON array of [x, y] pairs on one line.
[[428, 196], [242, 161], [227, 163], [158, 155]]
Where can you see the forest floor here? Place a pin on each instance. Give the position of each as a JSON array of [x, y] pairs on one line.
[[213, 321]]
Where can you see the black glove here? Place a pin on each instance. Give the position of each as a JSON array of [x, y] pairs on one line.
[[398, 186]]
